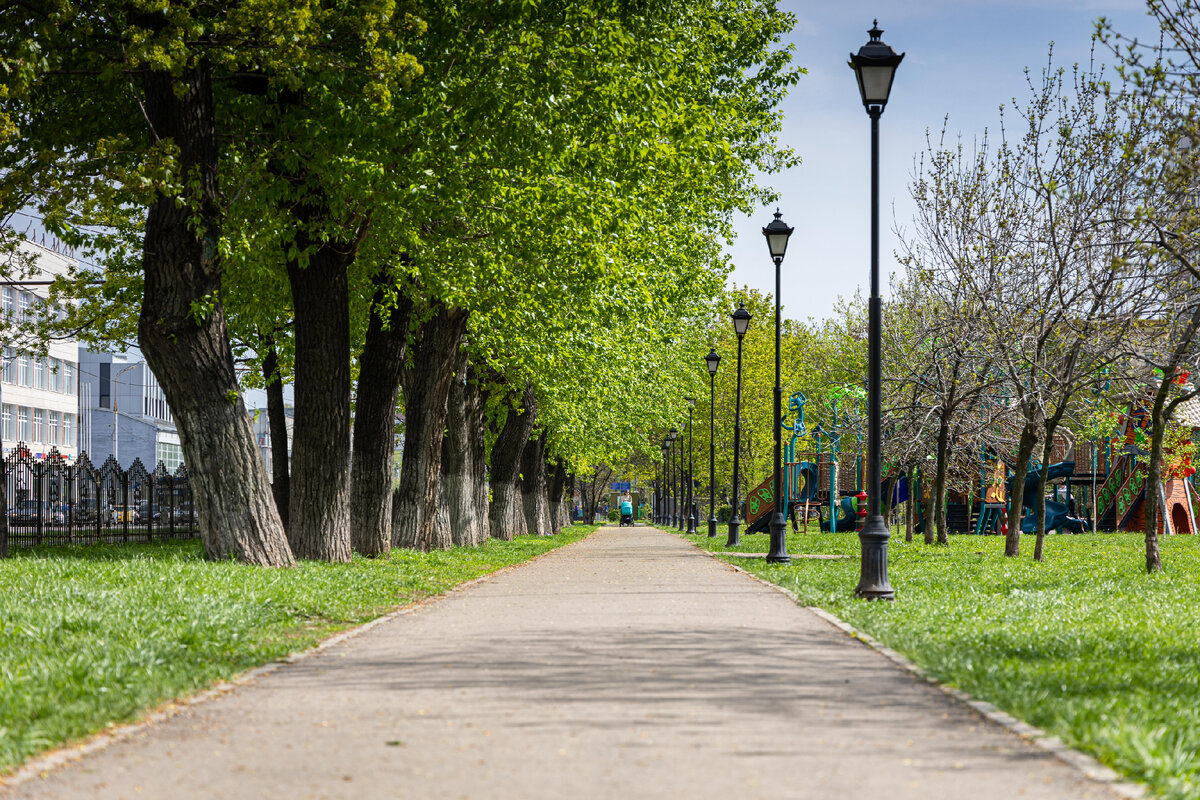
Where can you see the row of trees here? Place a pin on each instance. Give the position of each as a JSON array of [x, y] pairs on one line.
[[467, 211], [1051, 280]]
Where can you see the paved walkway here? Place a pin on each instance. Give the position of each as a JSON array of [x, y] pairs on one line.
[[627, 665]]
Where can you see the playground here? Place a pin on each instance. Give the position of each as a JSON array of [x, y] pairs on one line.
[[1097, 485]]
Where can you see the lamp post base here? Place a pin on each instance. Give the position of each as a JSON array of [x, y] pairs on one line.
[[691, 529], [712, 527], [873, 578], [778, 553], [735, 526]]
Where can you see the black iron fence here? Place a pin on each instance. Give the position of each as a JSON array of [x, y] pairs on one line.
[[50, 501]]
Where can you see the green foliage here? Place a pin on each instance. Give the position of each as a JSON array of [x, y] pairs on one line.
[[93, 635], [1086, 646]]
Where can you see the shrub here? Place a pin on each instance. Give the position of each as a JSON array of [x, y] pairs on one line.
[[614, 514]]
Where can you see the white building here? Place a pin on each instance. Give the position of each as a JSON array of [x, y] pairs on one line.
[[121, 387], [38, 393], [262, 433]]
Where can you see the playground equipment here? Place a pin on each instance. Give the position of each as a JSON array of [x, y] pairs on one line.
[[1058, 516], [829, 481]]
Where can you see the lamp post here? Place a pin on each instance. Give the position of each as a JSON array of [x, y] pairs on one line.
[[662, 485], [875, 67], [777, 233], [681, 517], [712, 360], [741, 323], [691, 481], [673, 516]]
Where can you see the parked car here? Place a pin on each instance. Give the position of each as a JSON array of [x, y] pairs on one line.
[[26, 512]]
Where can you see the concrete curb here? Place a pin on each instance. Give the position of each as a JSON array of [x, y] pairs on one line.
[[40, 766], [1083, 763]]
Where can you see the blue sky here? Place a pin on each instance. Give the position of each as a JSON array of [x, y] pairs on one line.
[[963, 59]]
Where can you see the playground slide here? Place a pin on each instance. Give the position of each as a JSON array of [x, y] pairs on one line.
[[1057, 517], [847, 520], [808, 494]]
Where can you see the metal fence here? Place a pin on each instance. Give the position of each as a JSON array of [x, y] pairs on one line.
[[50, 501]]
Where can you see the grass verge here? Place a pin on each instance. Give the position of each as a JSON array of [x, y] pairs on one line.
[[1086, 646], [94, 635]]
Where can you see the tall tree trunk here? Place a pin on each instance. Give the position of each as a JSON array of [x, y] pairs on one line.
[[1154, 475], [507, 516], [533, 486], [939, 483], [560, 516], [479, 465], [426, 392], [1012, 542], [462, 458], [910, 506], [319, 515], [373, 457], [277, 423], [1039, 514], [190, 353]]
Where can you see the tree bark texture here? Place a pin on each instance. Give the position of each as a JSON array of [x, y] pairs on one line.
[[277, 424], [560, 515], [1012, 542], [463, 458], [1154, 475], [426, 392], [910, 505], [507, 515], [533, 487], [939, 485], [319, 515], [189, 352], [380, 366]]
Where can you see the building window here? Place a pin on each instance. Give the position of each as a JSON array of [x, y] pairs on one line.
[[103, 393], [10, 365], [56, 375], [68, 377], [26, 367], [171, 455], [55, 428], [24, 423], [39, 426], [9, 423], [40, 380], [10, 301], [68, 430], [27, 305]]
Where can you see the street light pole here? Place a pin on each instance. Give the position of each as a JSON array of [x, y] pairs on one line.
[[875, 67], [693, 512], [662, 485], [777, 233], [673, 518], [741, 322], [712, 360], [682, 519]]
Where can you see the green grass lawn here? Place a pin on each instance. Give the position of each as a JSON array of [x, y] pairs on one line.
[[93, 635], [1086, 645]]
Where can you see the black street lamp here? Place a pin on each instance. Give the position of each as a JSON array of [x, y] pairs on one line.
[[875, 67], [741, 323], [712, 360], [691, 469], [777, 233], [681, 518], [673, 516], [663, 486]]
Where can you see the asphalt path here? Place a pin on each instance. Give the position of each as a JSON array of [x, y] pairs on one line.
[[626, 665]]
